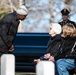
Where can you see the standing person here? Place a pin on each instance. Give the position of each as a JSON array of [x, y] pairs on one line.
[[65, 17], [8, 28], [65, 59]]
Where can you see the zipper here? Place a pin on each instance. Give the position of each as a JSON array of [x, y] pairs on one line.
[[73, 47]]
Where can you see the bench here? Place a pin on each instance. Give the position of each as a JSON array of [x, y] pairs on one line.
[[29, 46]]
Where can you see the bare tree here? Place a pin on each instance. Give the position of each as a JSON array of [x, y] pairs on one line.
[[55, 5], [51, 10], [68, 3], [8, 6]]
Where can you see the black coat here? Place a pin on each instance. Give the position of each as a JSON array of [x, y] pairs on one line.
[[54, 45], [66, 22], [66, 48], [8, 29]]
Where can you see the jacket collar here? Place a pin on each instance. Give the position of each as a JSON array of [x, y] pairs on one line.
[[70, 38], [15, 15]]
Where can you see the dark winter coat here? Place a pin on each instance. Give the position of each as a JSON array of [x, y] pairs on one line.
[[54, 45], [8, 29], [66, 48]]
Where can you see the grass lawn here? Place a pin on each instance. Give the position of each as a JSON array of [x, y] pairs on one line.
[[24, 73]]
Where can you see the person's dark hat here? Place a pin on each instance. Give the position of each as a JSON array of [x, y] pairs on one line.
[[65, 11]]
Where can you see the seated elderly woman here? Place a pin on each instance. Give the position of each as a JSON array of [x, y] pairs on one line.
[[53, 43]]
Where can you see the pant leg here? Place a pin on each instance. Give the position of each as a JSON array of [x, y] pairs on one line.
[[0, 65], [56, 71], [63, 65]]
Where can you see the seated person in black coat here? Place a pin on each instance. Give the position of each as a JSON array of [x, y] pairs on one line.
[[53, 43], [67, 54]]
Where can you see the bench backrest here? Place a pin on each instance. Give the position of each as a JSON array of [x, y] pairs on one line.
[[29, 46], [31, 43]]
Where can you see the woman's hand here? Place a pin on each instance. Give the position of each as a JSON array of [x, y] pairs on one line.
[[47, 56], [51, 58], [36, 60], [11, 48]]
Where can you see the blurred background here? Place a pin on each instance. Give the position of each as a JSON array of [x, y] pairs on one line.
[[41, 13]]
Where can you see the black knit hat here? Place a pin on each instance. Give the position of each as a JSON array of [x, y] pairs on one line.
[[65, 12]]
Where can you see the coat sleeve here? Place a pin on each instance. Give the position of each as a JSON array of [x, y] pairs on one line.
[[53, 48], [5, 27]]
